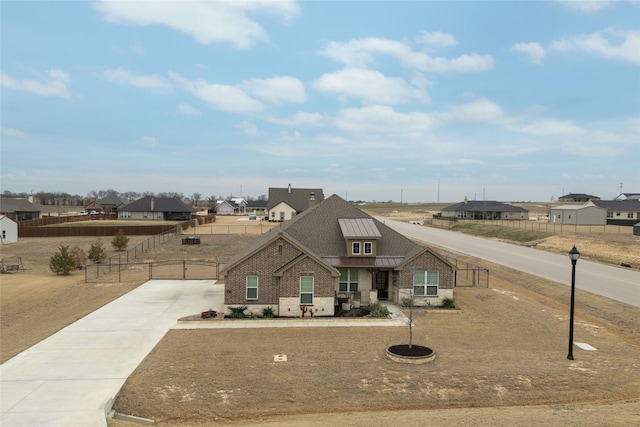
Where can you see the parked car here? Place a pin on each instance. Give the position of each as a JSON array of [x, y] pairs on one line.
[[83, 213], [252, 217], [94, 212]]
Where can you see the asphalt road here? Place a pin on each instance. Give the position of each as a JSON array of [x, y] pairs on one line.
[[617, 283]]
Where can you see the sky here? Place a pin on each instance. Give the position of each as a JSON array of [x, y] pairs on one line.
[[417, 101]]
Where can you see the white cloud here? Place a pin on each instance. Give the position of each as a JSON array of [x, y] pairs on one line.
[[454, 162], [122, 76], [220, 97], [206, 21], [359, 53], [276, 89], [481, 111], [588, 6], [611, 43], [437, 38], [56, 86], [149, 140], [371, 86], [534, 51], [377, 119], [548, 127], [301, 118], [13, 132], [189, 110]]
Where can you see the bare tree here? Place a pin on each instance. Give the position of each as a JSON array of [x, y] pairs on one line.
[[195, 198]]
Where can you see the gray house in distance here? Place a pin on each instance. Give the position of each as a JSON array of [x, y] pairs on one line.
[[485, 210], [620, 212], [285, 203], [577, 198], [156, 208]]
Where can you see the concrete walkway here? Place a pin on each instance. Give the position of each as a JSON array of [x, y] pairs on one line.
[[72, 377]]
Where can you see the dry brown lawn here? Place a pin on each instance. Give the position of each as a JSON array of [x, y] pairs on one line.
[[501, 359]]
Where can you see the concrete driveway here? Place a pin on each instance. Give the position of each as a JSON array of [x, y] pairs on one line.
[[72, 377]]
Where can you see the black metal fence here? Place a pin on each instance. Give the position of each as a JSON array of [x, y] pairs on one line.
[[128, 257], [143, 271], [469, 275]]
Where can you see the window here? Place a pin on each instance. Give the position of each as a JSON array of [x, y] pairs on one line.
[[609, 214], [252, 287], [144, 215], [273, 215], [355, 248], [425, 283], [281, 216], [348, 280], [617, 213], [630, 215], [293, 214], [4, 234], [368, 248], [306, 290]]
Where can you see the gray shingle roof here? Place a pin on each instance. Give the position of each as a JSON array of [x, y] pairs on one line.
[[317, 231], [160, 204], [628, 205], [297, 198], [483, 206], [9, 205]]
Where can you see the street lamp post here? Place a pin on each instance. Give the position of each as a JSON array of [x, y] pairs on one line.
[[573, 256]]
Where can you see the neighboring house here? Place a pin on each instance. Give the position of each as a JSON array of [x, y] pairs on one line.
[[627, 196], [225, 207], [19, 209], [578, 215], [8, 230], [620, 212], [330, 254], [285, 203], [257, 207], [577, 198], [156, 208], [485, 210], [240, 204], [109, 204]]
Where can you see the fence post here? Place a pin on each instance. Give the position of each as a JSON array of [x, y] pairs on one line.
[[119, 263], [184, 269], [150, 271], [85, 274]]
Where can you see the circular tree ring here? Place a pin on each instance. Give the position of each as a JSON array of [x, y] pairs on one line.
[[414, 354]]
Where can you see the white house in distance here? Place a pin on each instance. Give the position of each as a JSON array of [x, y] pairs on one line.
[[8, 230], [578, 215], [286, 203]]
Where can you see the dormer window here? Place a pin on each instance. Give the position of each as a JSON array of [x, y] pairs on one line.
[[355, 248], [368, 248]]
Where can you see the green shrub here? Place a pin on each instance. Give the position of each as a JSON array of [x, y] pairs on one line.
[[238, 312], [97, 252], [120, 241], [268, 312], [62, 262], [448, 303], [378, 310]]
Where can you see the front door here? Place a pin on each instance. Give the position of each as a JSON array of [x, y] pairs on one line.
[[382, 284]]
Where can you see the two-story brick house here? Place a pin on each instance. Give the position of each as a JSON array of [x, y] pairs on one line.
[[333, 253]]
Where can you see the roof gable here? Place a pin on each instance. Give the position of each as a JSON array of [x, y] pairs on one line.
[[297, 198]]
